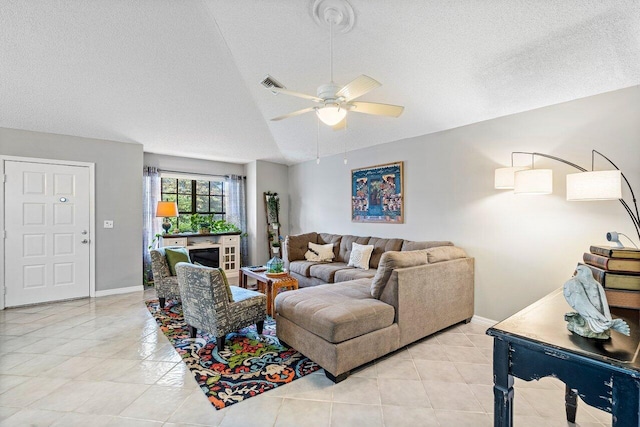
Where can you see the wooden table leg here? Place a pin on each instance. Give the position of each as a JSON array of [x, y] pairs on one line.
[[502, 385], [242, 280], [269, 292], [570, 403], [277, 287], [626, 402]]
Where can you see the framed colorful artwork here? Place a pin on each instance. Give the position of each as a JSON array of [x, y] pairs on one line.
[[377, 194]]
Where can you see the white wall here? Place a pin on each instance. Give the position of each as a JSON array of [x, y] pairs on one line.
[[525, 246], [118, 196], [196, 166], [265, 176], [251, 172]]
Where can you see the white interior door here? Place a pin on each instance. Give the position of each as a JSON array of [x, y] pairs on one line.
[[47, 244]]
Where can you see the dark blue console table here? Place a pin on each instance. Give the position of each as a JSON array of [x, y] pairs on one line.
[[535, 343]]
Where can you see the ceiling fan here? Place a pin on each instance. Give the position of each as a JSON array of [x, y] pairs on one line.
[[332, 100]]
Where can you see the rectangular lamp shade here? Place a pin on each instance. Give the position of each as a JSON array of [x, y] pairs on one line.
[[533, 181], [166, 209], [504, 177], [597, 185]]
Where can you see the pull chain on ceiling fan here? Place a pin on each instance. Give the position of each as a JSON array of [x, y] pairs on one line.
[[334, 101]]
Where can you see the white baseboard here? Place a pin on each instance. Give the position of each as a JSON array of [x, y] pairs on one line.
[[119, 291], [483, 321]]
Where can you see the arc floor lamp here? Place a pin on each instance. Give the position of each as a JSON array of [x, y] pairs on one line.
[[584, 186]]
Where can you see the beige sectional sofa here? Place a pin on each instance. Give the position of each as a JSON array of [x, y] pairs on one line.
[[343, 317], [311, 273]]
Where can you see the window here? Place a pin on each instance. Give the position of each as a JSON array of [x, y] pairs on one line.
[[194, 196]]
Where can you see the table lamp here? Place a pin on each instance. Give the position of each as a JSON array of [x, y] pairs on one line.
[[166, 210]]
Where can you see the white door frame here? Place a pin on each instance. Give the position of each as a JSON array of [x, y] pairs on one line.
[[92, 215]]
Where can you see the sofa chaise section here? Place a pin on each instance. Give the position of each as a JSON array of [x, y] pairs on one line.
[[338, 325], [346, 324]]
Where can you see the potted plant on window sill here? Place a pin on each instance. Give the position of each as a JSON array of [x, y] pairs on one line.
[[205, 226]]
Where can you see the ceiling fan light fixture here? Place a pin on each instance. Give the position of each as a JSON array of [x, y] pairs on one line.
[[331, 114]]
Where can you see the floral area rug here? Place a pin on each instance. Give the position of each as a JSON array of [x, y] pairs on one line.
[[249, 364]]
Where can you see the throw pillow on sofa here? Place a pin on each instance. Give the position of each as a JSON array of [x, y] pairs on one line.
[[319, 253], [175, 256], [360, 256]]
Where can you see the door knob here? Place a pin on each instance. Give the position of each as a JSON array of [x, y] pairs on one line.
[[84, 232], [85, 241]]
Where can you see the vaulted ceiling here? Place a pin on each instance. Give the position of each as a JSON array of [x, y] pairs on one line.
[[183, 77]]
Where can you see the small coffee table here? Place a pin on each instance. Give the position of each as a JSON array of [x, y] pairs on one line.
[[271, 286]]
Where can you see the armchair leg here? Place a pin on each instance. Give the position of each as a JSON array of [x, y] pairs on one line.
[[162, 301], [260, 326], [193, 331], [220, 342]]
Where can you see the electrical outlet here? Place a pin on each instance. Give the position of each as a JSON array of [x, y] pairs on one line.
[[108, 224]]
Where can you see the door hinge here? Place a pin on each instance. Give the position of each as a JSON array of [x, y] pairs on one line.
[[4, 178]]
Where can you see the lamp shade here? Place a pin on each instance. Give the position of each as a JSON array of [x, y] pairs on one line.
[[533, 181], [166, 209], [597, 185], [331, 114], [504, 177]]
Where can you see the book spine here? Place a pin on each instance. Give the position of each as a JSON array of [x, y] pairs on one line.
[[596, 260], [626, 281], [623, 253], [623, 299], [598, 250]]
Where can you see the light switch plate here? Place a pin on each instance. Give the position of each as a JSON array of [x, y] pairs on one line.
[[108, 224]]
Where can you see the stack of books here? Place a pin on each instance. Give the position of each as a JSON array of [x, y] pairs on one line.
[[618, 271]]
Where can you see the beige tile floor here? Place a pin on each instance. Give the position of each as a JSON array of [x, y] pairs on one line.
[[103, 362]]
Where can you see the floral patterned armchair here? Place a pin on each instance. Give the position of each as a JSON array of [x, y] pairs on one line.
[[166, 285], [206, 304]]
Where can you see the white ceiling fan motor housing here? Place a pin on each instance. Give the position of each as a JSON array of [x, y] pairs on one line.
[[328, 93]]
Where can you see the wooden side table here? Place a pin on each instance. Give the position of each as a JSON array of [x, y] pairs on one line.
[[535, 343], [277, 285], [270, 286]]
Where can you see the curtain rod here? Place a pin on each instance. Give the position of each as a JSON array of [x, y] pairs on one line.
[[197, 173]]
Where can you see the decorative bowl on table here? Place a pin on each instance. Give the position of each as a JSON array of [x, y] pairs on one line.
[[275, 275]]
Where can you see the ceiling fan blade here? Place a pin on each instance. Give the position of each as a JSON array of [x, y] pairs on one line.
[[358, 87], [342, 125], [376, 108], [294, 93], [295, 113]]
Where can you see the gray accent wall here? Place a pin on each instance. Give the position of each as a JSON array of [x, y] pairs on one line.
[[264, 176], [525, 246], [118, 196]]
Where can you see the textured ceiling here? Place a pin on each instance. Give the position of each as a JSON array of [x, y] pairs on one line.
[[182, 78]]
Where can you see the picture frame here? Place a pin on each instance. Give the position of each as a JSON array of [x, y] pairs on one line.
[[377, 194]]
